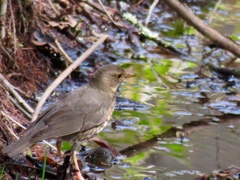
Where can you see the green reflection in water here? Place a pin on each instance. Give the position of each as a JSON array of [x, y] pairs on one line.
[[146, 124]]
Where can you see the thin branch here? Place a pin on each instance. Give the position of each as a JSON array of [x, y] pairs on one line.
[[15, 94], [150, 11], [11, 132], [15, 103], [53, 7], [50, 145], [108, 15], [6, 52], [69, 60], [13, 120], [214, 11]]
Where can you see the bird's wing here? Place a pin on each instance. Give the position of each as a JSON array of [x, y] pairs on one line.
[[79, 111]]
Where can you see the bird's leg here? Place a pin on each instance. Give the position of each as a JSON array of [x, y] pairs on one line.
[[59, 145], [74, 159]]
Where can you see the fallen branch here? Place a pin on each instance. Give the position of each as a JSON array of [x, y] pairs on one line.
[[203, 28]]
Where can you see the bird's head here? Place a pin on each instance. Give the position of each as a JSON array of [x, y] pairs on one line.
[[109, 77]]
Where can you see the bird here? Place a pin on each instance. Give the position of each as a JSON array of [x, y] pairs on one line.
[[77, 117]]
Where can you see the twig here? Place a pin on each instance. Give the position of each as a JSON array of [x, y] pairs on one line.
[[12, 132], [7, 53], [213, 11], [69, 60], [19, 107], [16, 95], [53, 8], [88, 9], [108, 15], [23, 18], [50, 145], [13, 120], [64, 74], [150, 11], [25, 95], [95, 5]]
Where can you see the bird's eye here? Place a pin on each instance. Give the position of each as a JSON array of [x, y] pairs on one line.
[[119, 76]]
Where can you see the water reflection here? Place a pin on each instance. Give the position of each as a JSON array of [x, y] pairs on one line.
[[190, 105]]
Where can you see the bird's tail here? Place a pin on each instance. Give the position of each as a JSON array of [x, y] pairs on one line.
[[16, 147]]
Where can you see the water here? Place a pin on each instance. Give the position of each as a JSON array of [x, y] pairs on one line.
[[179, 97]]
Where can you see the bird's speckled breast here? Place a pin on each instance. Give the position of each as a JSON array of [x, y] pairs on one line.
[[84, 136]]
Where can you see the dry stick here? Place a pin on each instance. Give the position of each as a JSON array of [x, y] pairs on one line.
[[13, 120], [150, 11], [108, 15], [64, 74], [24, 94], [17, 105], [69, 60], [214, 11], [204, 29], [88, 9], [11, 132], [6, 52], [53, 7], [16, 95]]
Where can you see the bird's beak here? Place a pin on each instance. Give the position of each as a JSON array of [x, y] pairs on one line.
[[128, 75]]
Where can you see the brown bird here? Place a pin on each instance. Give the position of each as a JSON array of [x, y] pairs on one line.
[[79, 116]]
